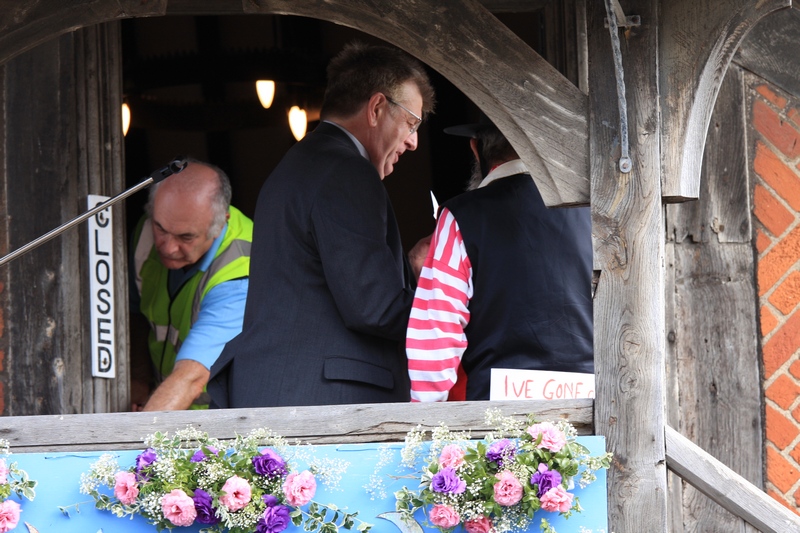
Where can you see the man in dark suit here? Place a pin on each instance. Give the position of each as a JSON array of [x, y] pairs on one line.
[[330, 287]]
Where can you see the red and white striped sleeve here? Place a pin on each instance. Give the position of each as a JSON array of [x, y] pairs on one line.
[[435, 340]]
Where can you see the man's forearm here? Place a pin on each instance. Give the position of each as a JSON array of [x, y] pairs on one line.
[[181, 387]]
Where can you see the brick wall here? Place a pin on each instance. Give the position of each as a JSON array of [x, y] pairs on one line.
[[776, 206]]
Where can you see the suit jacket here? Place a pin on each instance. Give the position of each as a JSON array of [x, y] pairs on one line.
[[330, 287]]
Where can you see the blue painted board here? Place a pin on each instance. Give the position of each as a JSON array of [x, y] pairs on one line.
[[59, 475]]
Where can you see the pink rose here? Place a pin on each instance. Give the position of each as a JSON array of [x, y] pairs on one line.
[[556, 499], [452, 456], [444, 516], [478, 525], [125, 488], [178, 508], [237, 493], [3, 472], [299, 488], [508, 490], [9, 515], [552, 438]]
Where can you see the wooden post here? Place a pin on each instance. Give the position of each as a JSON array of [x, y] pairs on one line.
[[62, 104], [628, 227]]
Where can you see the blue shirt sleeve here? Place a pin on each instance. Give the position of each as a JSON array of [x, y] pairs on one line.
[[220, 320]]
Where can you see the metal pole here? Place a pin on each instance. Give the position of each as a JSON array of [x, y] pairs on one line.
[[173, 168]]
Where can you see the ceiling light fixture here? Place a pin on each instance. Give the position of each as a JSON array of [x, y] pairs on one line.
[[126, 119], [298, 122], [266, 92]]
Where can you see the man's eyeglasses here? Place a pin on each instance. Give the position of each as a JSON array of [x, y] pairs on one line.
[[418, 119]]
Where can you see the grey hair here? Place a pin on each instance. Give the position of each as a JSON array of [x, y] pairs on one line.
[[220, 202]]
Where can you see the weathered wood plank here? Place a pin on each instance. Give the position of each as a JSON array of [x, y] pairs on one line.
[[719, 402], [722, 212], [98, 86], [770, 50], [726, 487], [541, 113], [43, 340], [24, 25], [697, 42], [230, 7], [627, 221], [329, 424]]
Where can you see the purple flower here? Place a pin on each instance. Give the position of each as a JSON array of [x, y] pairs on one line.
[[199, 456], [269, 464], [546, 479], [446, 480], [276, 517], [500, 450], [206, 514], [143, 460]]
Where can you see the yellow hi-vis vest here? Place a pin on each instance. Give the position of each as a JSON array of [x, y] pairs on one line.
[[171, 319]]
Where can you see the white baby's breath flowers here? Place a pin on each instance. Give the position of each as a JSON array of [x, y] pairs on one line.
[[102, 472], [412, 450]]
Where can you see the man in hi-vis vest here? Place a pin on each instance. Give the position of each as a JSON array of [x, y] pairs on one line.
[[191, 261]]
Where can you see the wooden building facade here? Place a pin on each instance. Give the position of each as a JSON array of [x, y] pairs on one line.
[[688, 333]]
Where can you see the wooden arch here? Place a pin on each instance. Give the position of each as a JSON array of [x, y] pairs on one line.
[[541, 112], [698, 41]]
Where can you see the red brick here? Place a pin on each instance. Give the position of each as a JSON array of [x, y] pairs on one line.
[[787, 295], [782, 345], [781, 431], [796, 454], [768, 321], [775, 217], [778, 497], [778, 260], [783, 391], [772, 97], [795, 371], [780, 472], [781, 134], [778, 175], [762, 241]]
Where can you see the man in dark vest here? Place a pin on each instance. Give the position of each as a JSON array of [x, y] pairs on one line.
[[330, 287], [506, 283]]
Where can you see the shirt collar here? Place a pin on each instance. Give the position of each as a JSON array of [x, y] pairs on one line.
[[361, 149], [509, 168], [205, 261]]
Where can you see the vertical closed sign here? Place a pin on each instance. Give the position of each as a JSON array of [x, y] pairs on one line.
[[101, 271]]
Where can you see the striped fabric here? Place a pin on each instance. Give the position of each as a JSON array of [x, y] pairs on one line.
[[435, 340]]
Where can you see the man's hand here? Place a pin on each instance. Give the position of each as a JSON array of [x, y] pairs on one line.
[[418, 254], [181, 387]]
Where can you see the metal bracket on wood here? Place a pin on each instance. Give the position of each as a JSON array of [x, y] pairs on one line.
[[612, 9]]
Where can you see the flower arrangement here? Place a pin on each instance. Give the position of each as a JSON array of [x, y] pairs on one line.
[[498, 484], [13, 480], [243, 486]]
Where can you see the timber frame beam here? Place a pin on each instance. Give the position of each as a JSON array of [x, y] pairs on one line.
[[697, 42]]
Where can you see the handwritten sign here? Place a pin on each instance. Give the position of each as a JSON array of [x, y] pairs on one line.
[[511, 384]]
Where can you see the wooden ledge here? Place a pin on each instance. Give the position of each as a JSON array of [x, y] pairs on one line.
[[321, 425]]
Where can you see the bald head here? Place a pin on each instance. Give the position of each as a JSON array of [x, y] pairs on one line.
[[188, 211]]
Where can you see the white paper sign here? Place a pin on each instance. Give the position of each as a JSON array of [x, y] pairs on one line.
[[511, 384], [101, 284]]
